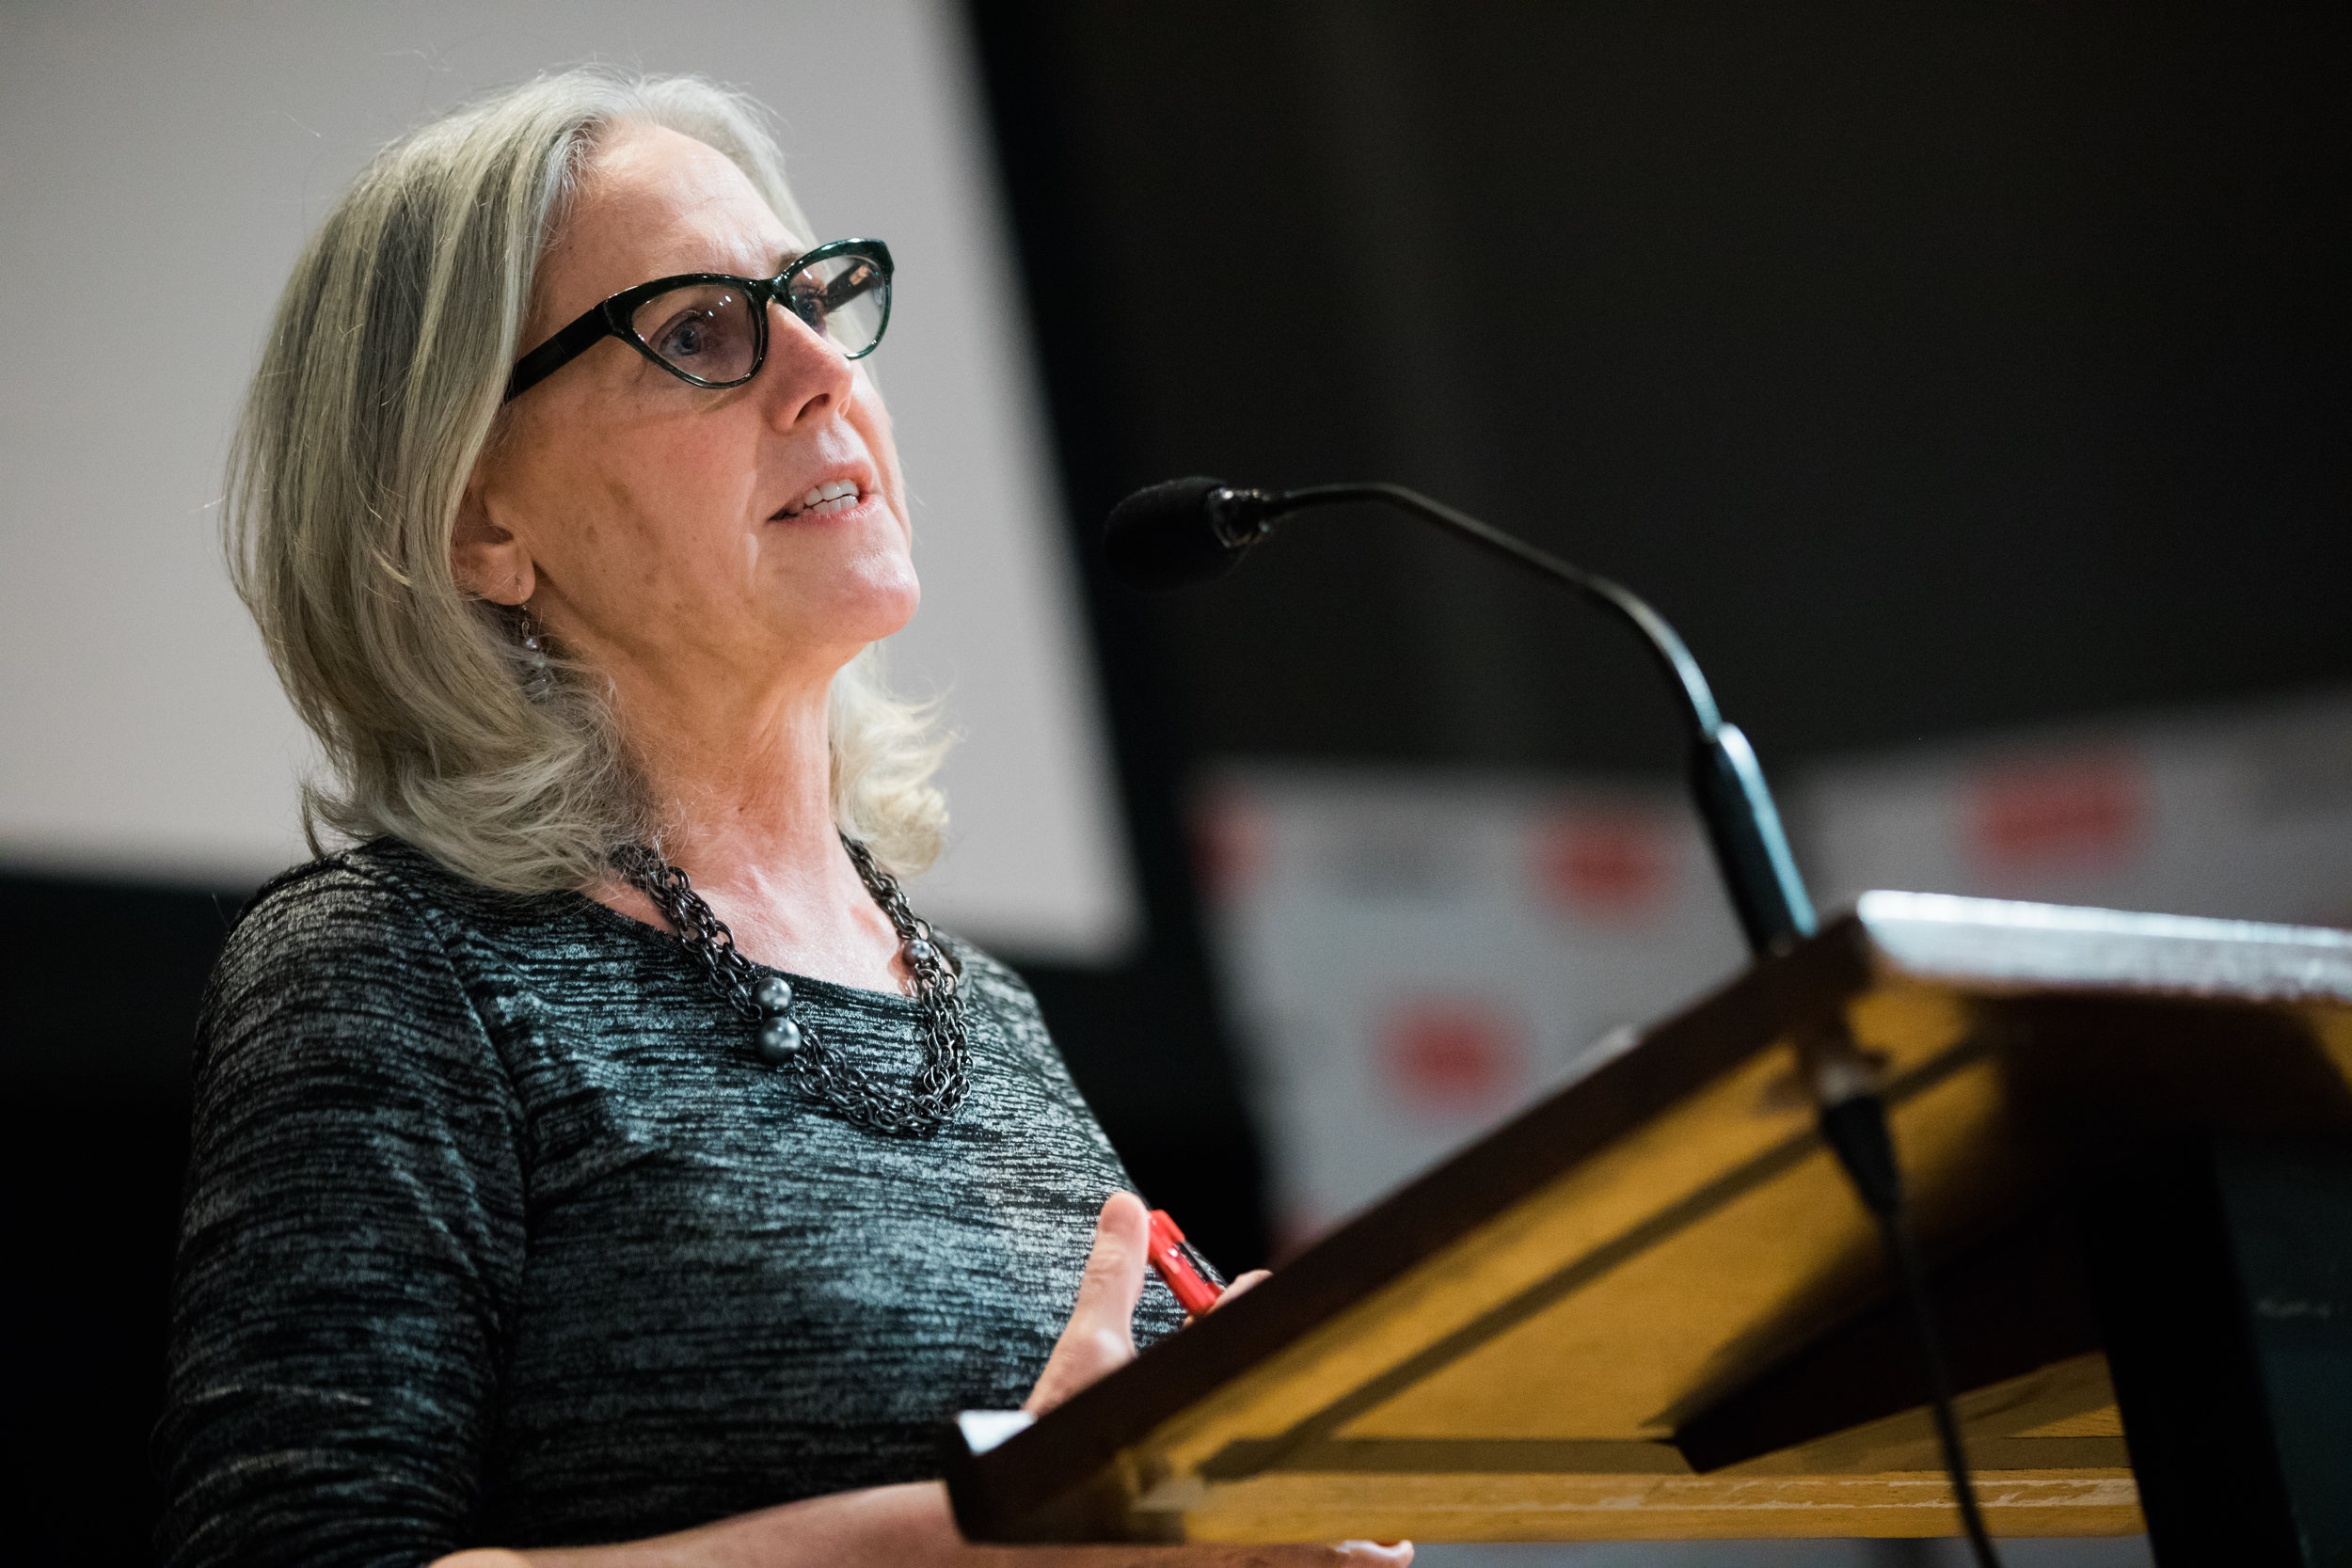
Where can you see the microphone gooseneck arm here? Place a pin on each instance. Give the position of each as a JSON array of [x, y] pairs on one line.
[[1742, 823], [1661, 638]]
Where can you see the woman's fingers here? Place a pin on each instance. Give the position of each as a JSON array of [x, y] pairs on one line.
[[1236, 1288], [1248, 1281], [1100, 1338], [1100, 1335]]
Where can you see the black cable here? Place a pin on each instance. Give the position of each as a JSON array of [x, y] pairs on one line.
[[1902, 1249], [1856, 1129]]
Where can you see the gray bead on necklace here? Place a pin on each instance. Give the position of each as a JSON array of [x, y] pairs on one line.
[[940, 1083], [779, 1037]]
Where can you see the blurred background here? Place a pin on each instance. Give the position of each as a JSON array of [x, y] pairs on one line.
[[1966, 383]]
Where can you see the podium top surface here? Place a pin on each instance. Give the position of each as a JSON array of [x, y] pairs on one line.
[[1595, 1322], [1992, 944]]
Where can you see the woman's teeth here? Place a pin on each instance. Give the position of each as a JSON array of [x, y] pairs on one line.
[[839, 496]]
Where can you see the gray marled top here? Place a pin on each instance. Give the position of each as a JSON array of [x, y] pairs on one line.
[[500, 1233]]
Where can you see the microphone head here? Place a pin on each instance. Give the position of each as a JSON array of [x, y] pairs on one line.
[[1166, 535]]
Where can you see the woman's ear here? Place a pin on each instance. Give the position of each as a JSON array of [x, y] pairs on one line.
[[485, 558]]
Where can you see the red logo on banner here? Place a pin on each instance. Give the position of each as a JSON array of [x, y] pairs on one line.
[[1614, 866], [1450, 1056], [2078, 813], [1231, 837]]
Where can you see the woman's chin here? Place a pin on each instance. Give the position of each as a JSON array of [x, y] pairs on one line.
[[863, 607]]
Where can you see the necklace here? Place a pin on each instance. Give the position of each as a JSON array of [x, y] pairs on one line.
[[940, 1083]]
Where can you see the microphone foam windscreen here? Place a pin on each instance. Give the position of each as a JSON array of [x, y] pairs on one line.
[[1162, 536]]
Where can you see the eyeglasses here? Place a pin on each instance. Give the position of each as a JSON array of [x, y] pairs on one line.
[[710, 328]]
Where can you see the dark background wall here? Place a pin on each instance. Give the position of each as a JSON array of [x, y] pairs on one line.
[[1933, 368], [99, 982]]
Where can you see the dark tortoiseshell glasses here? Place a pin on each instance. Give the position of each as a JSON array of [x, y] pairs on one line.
[[710, 328]]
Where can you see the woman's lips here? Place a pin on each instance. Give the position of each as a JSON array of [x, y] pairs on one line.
[[838, 495]]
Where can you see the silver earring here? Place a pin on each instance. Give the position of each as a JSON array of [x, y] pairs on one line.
[[536, 680]]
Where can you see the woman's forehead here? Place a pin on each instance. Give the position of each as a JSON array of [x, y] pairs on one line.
[[656, 202]]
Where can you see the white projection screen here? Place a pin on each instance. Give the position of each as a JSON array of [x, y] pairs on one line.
[[160, 166]]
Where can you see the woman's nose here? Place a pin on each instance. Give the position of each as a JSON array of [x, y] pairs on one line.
[[806, 372]]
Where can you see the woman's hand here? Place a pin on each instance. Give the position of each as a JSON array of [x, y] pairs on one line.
[[1100, 1337], [912, 1527]]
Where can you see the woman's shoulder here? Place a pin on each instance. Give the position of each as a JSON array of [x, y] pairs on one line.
[[382, 889], [364, 968], [372, 928], [371, 894]]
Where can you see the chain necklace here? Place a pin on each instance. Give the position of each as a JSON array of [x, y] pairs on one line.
[[945, 1076]]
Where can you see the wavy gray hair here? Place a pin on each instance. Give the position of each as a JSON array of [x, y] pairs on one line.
[[380, 386]]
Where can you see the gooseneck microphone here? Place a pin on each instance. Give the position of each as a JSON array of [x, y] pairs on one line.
[[1189, 531]]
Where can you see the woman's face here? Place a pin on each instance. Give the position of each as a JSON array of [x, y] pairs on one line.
[[662, 529]]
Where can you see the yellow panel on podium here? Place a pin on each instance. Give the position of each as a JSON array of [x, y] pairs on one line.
[[1651, 1307]]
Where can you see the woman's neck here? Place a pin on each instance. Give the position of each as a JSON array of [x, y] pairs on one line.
[[743, 784]]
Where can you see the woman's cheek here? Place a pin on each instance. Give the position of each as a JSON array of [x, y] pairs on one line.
[[871, 418]]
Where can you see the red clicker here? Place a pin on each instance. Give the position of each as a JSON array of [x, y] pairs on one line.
[[1196, 1284]]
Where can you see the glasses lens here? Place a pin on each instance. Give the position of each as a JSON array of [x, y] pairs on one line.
[[845, 297], [704, 329]]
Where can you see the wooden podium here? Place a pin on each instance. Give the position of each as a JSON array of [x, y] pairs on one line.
[[1651, 1308]]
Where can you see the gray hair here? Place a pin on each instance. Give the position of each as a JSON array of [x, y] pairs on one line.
[[380, 385]]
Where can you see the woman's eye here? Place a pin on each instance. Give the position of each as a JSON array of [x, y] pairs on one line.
[[685, 339], [810, 302], [701, 332]]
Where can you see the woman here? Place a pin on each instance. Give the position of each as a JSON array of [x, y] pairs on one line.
[[563, 1178]]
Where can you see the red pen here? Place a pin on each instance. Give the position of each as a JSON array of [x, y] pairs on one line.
[[1192, 1278]]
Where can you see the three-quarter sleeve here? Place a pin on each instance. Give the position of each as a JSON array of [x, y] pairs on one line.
[[351, 1245]]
